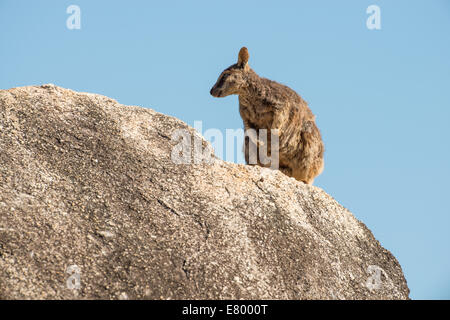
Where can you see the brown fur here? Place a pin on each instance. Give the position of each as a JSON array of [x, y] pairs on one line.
[[266, 104]]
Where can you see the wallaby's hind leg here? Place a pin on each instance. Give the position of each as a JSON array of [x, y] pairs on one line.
[[310, 161], [308, 175], [290, 173], [303, 176], [286, 170]]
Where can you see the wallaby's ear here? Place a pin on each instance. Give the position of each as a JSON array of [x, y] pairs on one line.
[[243, 57]]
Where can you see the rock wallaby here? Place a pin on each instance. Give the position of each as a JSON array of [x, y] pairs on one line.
[[266, 104]]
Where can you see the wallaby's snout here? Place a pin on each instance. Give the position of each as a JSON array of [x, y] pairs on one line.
[[215, 92], [233, 79], [224, 86]]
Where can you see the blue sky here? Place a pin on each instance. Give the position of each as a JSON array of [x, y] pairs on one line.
[[381, 97]]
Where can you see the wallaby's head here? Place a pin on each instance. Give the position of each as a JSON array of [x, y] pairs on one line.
[[234, 78]]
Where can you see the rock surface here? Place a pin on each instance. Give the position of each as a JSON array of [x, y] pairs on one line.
[[93, 207]]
